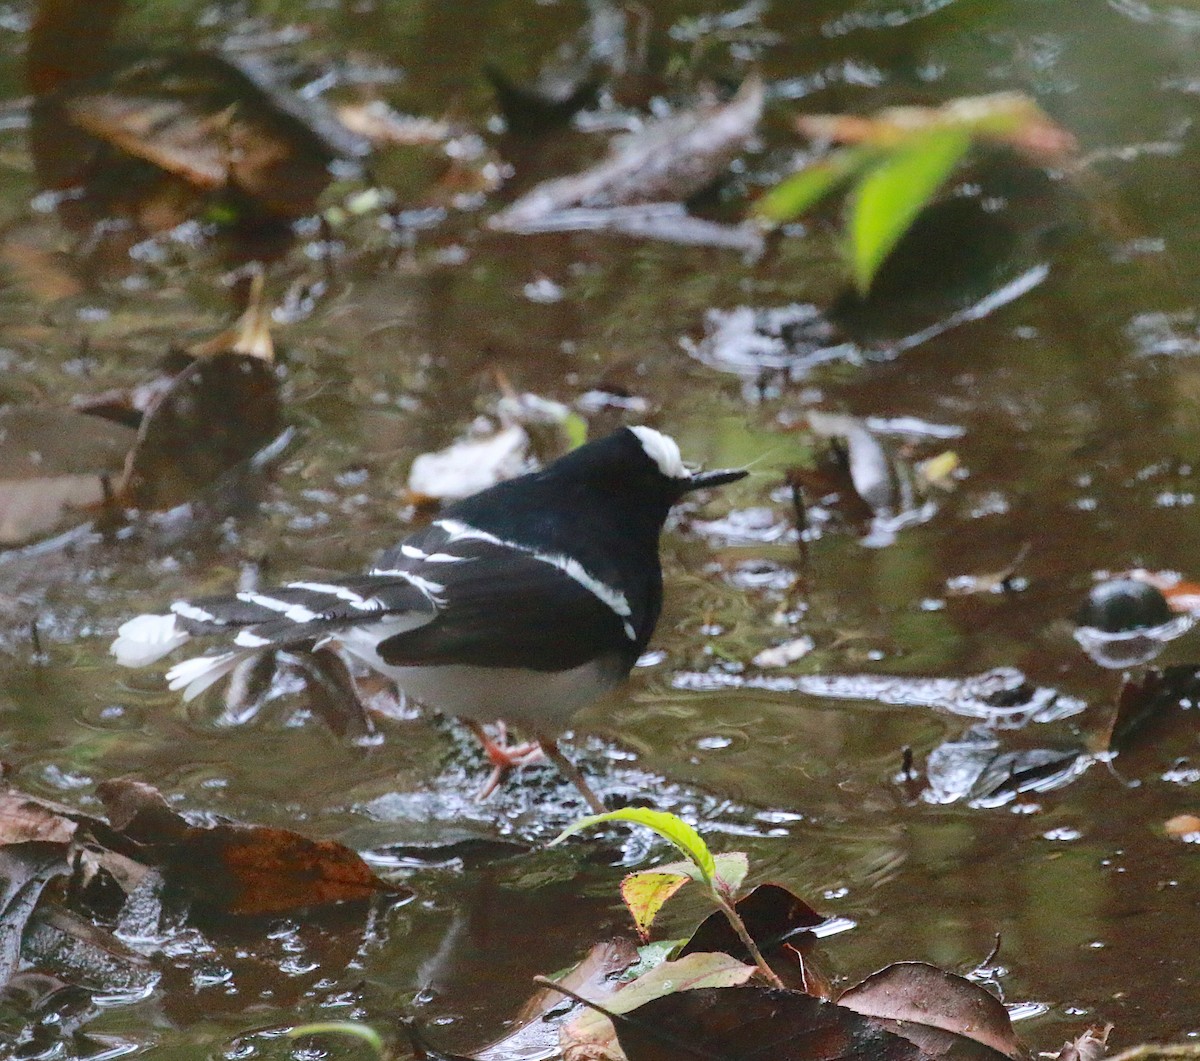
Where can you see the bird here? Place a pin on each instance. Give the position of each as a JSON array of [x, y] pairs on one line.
[[524, 602]]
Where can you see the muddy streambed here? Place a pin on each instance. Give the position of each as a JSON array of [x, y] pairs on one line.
[[1045, 335]]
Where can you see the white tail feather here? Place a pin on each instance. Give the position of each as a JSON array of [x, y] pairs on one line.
[[195, 675], [145, 639]]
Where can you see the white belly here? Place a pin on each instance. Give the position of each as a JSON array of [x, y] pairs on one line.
[[540, 700]]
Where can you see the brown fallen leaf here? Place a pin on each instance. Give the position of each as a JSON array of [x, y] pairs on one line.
[[667, 162], [196, 117], [24, 819], [236, 869], [58, 465], [217, 413], [778, 921], [924, 994], [772, 914], [158, 136], [1185, 827]]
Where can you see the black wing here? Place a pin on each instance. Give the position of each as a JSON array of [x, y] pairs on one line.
[[501, 605]]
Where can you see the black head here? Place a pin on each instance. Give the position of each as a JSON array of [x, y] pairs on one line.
[[641, 463]]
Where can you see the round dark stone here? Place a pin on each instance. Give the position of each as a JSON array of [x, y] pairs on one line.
[[1122, 604]]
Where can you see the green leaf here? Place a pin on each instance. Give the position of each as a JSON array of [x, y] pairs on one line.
[[352, 1028], [889, 198], [651, 955], [645, 892], [732, 867], [688, 974], [575, 427], [667, 825], [800, 192]]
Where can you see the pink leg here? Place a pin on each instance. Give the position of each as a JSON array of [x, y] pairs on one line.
[[504, 759]]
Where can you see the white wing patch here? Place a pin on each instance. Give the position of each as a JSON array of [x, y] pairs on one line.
[[190, 611], [573, 569], [427, 586], [297, 613]]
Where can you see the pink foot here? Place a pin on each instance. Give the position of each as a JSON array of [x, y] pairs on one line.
[[504, 757]]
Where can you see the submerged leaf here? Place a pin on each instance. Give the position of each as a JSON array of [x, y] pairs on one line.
[[216, 415], [892, 194], [56, 463], [351, 1028], [667, 162], [246, 870]]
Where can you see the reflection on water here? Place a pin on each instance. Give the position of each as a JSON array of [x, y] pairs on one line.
[[846, 773]]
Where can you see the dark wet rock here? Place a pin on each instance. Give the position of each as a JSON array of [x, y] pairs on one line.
[[1126, 622], [1122, 604]]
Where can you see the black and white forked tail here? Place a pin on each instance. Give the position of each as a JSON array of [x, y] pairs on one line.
[[300, 613]]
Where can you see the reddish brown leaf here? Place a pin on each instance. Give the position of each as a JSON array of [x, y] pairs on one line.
[[1184, 827], [923, 994], [238, 869], [254, 870]]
